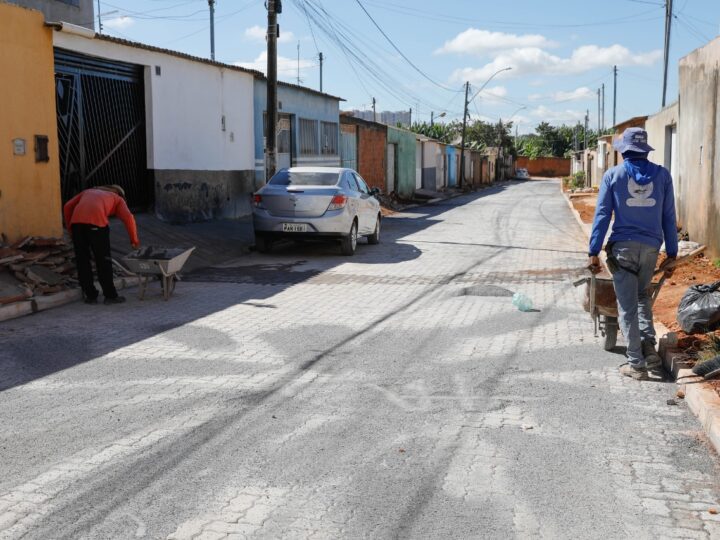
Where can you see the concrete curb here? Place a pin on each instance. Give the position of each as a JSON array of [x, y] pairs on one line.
[[704, 401], [586, 227], [42, 303]]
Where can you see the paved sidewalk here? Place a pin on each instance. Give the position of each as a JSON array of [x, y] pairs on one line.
[[397, 393]]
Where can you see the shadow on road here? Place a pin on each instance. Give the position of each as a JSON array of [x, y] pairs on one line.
[[48, 342]]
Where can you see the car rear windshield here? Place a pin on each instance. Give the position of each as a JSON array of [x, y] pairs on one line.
[[304, 178]]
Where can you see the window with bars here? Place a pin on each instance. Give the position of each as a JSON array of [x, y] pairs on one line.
[[308, 137], [329, 138]]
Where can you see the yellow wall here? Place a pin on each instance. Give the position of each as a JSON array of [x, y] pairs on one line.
[[30, 200]]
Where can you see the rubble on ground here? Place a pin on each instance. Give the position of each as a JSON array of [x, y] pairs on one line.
[[35, 266]]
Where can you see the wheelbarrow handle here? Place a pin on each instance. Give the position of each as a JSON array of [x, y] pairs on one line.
[[679, 260]]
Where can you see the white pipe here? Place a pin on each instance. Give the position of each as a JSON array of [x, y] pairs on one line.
[[72, 29]]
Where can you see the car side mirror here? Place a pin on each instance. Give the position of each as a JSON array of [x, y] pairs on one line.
[[375, 191]]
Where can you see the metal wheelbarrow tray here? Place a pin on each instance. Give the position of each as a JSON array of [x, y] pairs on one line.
[[601, 303], [152, 261]]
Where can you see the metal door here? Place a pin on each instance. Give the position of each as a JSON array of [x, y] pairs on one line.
[[101, 126], [348, 149], [390, 174], [284, 142], [418, 164]]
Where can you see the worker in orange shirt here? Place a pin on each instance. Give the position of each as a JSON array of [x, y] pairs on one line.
[[86, 218]]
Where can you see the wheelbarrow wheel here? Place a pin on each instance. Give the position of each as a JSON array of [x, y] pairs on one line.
[[611, 332]]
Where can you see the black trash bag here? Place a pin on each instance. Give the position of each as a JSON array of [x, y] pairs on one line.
[[699, 309]]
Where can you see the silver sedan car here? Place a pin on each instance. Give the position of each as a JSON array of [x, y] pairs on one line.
[[316, 203]]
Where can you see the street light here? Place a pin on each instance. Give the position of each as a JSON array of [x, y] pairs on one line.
[[465, 113], [432, 113], [489, 79], [517, 111]]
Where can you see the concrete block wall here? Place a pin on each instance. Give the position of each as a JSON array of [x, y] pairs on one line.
[[544, 166], [698, 130], [371, 155]]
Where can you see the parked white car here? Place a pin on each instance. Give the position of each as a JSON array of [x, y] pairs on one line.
[[316, 203], [522, 173]]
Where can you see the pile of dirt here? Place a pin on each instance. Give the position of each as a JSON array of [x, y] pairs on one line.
[[695, 271], [585, 205]]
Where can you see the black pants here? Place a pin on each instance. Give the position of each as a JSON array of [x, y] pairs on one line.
[[87, 240]]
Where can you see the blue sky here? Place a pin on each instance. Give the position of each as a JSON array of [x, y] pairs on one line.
[[560, 52]]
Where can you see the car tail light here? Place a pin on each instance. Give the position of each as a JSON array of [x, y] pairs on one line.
[[257, 200], [338, 202]]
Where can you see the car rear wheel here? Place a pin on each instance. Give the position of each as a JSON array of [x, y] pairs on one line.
[[374, 238], [349, 242], [263, 244]]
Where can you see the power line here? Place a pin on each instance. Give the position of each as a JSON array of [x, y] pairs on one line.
[[441, 17], [341, 36], [221, 18], [421, 72]]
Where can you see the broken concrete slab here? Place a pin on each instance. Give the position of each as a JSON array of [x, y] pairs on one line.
[[11, 291], [40, 274]]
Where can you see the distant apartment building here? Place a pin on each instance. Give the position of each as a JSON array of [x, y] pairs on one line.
[[389, 118], [79, 12]]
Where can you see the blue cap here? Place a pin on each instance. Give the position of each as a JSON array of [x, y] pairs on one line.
[[633, 140]]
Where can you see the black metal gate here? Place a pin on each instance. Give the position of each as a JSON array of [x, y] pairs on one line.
[[101, 126]]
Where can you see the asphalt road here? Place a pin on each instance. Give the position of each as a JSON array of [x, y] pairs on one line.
[[395, 394]]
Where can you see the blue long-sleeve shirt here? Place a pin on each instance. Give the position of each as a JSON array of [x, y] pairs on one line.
[[640, 194]]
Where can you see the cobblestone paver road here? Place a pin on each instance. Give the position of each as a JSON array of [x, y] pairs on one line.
[[397, 394]]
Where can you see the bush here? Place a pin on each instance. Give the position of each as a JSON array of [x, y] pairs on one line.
[[575, 181]]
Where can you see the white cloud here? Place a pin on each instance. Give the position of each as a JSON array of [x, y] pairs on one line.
[[479, 42], [567, 116], [257, 33], [286, 66], [119, 23], [534, 97], [533, 60], [579, 93], [493, 92]]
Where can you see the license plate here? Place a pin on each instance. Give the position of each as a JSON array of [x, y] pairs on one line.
[[295, 227]]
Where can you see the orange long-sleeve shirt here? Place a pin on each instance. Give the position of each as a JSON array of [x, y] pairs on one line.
[[95, 206]]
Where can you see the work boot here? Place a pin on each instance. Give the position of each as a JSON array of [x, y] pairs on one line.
[[652, 358], [116, 300], [637, 373]]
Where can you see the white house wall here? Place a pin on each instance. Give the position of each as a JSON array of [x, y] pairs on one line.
[[201, 171]]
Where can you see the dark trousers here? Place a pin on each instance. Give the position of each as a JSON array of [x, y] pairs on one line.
[[92, 240]]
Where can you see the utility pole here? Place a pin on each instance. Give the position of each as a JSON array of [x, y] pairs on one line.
[[211, 3], [614, 94], [668, 27], [410, 122], [587, 121], [598, 118], [602, 122], [270, 142], [462, 142], [320, 56], [100, 26], [432, 118], [298, 63], [374, 113], [575, 136]]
